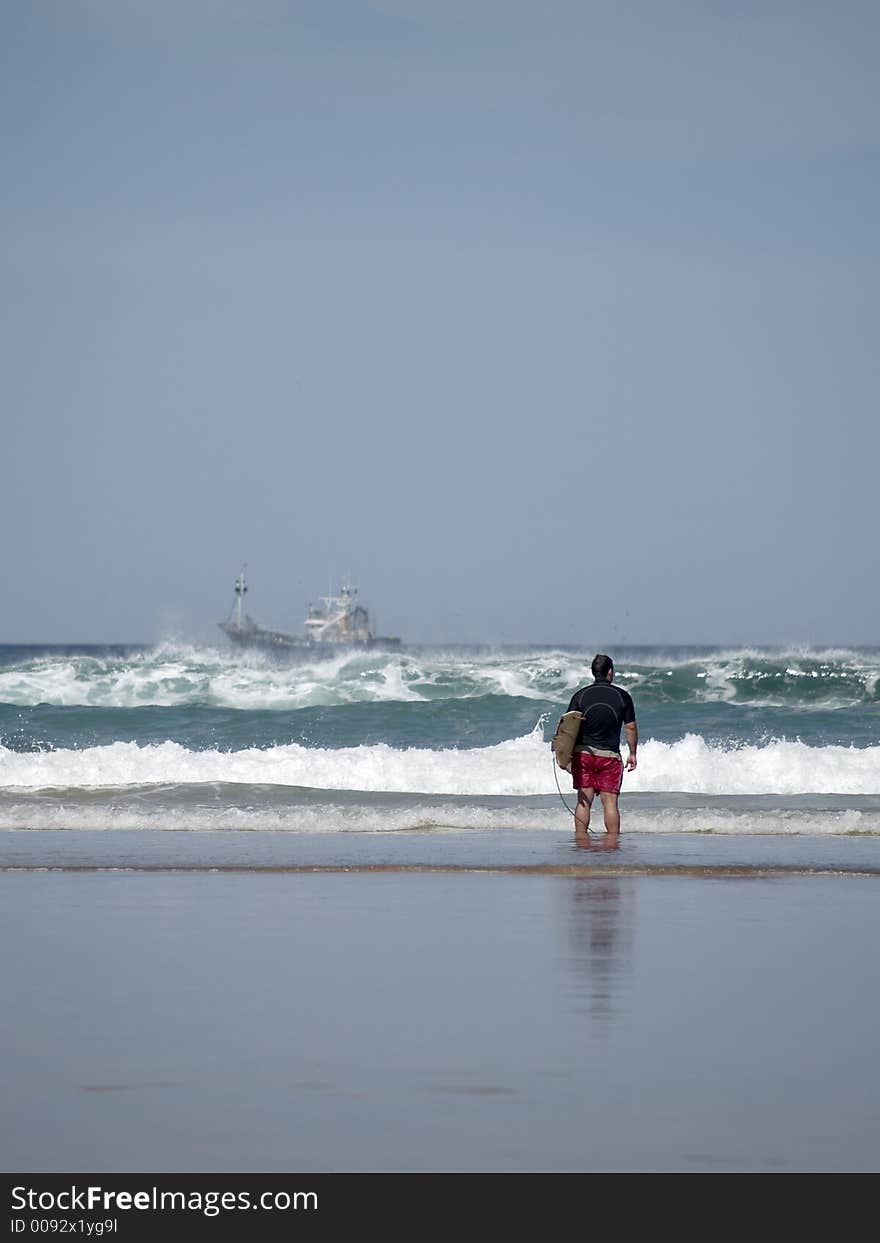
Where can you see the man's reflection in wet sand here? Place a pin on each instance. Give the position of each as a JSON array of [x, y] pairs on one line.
[[600, 914]]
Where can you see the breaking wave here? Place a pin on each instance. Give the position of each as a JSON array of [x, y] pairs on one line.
[[179, 675], [432, 816], [519, 766]]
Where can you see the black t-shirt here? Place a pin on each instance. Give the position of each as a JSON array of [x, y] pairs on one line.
[[606, 708]]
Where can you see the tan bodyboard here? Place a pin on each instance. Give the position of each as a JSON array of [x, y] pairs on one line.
[[565, 738]]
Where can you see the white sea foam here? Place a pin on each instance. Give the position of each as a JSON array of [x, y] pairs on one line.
[[518, 766], [328, 817], [780, 766]]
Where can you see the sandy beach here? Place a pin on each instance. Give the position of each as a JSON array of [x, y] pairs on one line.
[[440, 1002]]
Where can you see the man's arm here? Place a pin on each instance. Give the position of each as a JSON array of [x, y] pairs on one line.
[[632, 741]]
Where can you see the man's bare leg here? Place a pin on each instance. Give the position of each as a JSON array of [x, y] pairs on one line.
[[612, 817], [582, 817]]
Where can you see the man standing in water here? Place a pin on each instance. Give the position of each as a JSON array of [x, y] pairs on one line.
[[596, 763]]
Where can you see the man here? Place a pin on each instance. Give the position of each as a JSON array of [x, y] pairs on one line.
[[596, 763]]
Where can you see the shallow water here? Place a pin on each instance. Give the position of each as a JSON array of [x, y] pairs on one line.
[[438, 850]]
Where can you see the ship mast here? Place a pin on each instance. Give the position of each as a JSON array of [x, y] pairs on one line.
[[240, 589]]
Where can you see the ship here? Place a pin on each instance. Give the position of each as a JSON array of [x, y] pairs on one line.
[[337, 625]]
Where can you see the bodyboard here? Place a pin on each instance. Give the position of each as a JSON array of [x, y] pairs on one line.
[[565, 738]]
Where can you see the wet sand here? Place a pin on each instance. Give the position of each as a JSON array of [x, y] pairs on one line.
[[472, 1005]]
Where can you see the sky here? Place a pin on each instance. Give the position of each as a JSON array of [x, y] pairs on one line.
[[548, 321]]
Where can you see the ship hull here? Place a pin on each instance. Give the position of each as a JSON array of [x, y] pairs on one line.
[[296, 648]]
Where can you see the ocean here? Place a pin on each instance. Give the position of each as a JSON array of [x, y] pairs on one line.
[[332, 917], [741, 741]]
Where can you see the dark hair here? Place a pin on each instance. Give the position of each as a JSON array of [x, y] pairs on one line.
[[601, 666]]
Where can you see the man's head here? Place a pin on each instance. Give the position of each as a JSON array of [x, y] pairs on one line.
[[603, 668]]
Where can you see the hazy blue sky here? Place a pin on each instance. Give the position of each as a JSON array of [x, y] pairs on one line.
[[550, 320]]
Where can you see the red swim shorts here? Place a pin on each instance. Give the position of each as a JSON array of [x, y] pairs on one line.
[[596, 772]]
